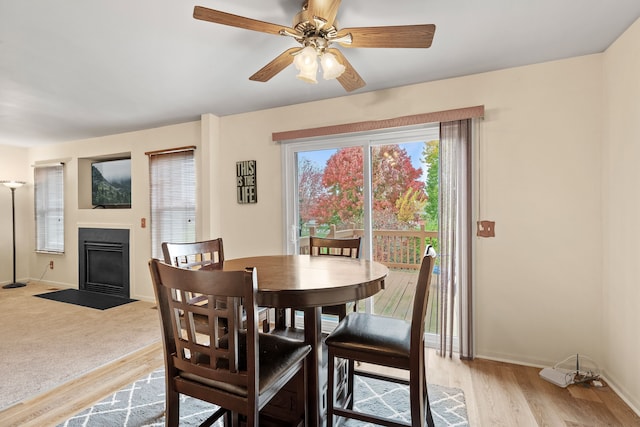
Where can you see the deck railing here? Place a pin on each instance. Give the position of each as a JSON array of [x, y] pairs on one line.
[[394, 248]]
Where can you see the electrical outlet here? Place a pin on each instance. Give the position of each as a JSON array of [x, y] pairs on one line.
[[51, 265], [486, 229]]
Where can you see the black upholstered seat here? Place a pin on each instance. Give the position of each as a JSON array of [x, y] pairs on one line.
[[386, 337]]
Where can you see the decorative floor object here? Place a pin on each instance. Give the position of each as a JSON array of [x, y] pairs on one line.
[[86, 298], [141, 404]]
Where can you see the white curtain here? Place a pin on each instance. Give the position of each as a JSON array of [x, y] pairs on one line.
[[454, 318]]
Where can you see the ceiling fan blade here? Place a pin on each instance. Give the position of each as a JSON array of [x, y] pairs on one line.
[[326, 9], [225, 18], [280, 62], [419, 36], [350, 79]]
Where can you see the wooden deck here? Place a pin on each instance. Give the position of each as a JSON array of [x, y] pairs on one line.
[[396, 300]]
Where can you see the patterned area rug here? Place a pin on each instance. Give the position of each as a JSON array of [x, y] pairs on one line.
[[142, 404]]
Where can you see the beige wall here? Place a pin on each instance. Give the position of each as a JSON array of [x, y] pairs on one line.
[[538, 284], [621, 211], [65, 272], [541, 177]]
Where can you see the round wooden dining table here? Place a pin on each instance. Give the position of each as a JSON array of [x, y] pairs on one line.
[[308, 283]]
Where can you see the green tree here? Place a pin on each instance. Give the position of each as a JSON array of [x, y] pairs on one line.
[[431, 160], [410, 205]]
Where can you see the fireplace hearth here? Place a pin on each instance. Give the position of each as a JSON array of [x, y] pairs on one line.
[[104, 260]]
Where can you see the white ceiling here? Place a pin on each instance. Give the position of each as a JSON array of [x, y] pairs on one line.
[[74, 69]]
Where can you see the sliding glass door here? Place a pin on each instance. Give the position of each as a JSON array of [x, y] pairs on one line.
[[373, 186]]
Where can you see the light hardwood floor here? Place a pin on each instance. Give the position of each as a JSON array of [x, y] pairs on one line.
[[497, 394]]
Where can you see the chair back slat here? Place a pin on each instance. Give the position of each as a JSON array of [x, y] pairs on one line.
[[337, 247], [227, 355], [207, 254], [195, 255]]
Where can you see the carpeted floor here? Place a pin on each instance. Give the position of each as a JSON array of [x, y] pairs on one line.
[[142, 404], [47, 343]]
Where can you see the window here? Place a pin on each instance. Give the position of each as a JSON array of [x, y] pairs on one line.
[[49, 208], [172, 179]]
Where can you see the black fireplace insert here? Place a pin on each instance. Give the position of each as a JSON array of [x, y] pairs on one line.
[[104, 260]]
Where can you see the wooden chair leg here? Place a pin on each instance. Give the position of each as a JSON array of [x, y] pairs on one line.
[[330, 388], [427, 406], [172, 407], [305, 394], [252, 418], [281, 319], [235, 419], [350, 385]]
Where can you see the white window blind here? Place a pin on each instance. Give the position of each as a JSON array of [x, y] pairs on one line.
[[173, 198], [49, 208]]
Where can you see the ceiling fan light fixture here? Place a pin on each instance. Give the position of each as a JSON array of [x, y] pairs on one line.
[[308, 73], [305, 57], [307, 63], [331, 68]]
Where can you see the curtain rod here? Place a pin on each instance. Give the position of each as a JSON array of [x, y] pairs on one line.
[[171, 150], [48, 163], [416, 119]]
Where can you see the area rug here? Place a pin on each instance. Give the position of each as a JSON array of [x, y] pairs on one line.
[[142, 404], [86, 298]]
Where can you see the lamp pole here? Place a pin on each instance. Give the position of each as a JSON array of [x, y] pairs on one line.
[[13, 185]]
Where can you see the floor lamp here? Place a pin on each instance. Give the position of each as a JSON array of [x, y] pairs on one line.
[[13, 185]]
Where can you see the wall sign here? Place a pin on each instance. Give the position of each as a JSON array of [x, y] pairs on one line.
[[246, 181]]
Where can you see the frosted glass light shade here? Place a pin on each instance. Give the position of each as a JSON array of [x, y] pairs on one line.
[[331, 68], [307, 63], [13, 184]]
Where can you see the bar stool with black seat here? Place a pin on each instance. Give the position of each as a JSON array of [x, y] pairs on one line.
[[389, 342], [241, 370], [207, 254]]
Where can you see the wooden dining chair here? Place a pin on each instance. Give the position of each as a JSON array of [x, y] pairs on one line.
[[325, 246], [322, 246], [384, 341], [208, 254], [241, 370]]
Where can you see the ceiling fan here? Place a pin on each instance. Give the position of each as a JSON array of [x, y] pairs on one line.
[[314, 28]]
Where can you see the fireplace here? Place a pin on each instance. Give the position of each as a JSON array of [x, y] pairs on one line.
[[104, 260]]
